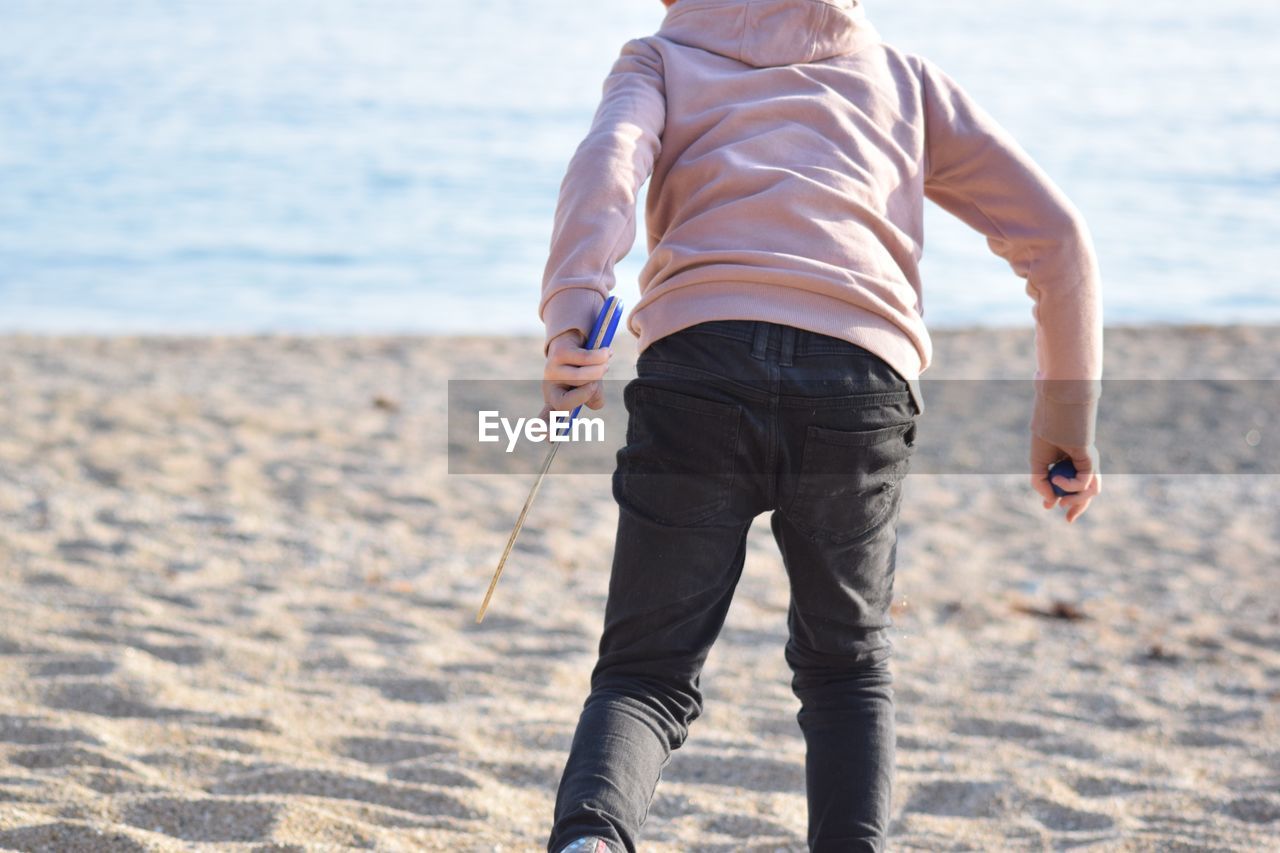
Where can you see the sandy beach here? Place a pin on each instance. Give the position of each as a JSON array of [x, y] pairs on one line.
[[239, 588]]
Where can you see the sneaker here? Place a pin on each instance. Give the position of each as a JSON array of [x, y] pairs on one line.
[[590, 844]]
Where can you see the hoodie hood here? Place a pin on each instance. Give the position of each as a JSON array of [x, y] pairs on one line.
[[770, 32]]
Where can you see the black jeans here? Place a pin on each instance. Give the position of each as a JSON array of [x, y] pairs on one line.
[[729, 419]]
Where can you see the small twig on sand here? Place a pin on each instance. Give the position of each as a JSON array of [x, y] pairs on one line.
[[1057, 610]]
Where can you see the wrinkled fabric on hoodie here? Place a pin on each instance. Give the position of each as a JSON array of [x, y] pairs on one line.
[[789, 151]]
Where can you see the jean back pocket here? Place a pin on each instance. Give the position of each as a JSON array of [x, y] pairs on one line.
[[848, 480], [678, 464]]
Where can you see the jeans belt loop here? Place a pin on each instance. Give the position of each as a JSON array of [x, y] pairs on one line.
[[788, 345], [917, 395], [760, 343]]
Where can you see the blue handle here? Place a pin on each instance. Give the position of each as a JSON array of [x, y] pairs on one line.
[[601, 336], [1064, 468]]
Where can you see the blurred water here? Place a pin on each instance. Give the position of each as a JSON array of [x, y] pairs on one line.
[[393, 166]]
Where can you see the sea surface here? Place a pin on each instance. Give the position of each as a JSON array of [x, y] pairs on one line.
[[393, 165]]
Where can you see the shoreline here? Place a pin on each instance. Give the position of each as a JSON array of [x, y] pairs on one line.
[[962, 328]]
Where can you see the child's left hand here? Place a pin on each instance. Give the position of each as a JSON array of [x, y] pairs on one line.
[[1083, 488]]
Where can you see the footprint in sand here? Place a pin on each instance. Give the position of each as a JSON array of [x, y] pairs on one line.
[[90, 551], [542, 777], [1062, 745], [205, 819], [104, 699], [66, 755], [227, 744], [71, 666], [744, 826], [46, 579], [430, 772], [32, 730], [380, 750], [1007, 729], [338, 786], [340, 627], [1254, 809], [418, 690], [736, 771], [182, 654], [960, 798], [1063, 818], [1261, 638], [667, 806], [69, 837], [1106, 786], [236, 721], [1206, 737]]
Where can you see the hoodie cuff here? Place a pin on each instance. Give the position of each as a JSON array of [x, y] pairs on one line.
[[1065, 424], [571, 308]]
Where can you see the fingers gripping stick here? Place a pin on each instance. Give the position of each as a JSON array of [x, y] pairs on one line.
[[601, 336], [1061, 468]]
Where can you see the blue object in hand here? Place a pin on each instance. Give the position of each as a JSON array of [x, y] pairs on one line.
[[1064, 468], [601, 336]]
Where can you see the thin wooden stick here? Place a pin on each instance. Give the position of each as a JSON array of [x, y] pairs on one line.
[[516, 531]]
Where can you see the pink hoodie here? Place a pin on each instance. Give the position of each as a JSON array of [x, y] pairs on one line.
[[790, 151]]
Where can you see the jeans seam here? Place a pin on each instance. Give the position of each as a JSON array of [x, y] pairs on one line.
[[719, 333], [775, 434], [861, 400], [684, 598], [689, 372]]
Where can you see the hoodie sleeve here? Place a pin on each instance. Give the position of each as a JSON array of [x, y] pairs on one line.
[[975, 170], [595, 220]]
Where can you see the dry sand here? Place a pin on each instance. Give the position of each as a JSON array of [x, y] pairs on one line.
[[239, 590]]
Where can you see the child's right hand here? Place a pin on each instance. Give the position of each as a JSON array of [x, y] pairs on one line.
[[1087, 483], [572, 375]]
